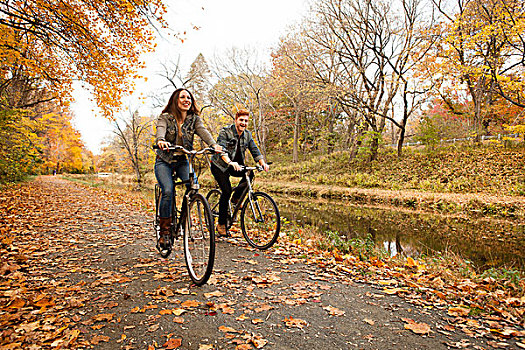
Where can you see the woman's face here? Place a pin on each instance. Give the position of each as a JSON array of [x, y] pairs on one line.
[[184, 102]]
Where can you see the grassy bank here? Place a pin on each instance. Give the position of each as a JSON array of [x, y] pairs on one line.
[[482, 181], [446, 170]]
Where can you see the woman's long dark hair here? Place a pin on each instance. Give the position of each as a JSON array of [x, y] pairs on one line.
[[172, 106]]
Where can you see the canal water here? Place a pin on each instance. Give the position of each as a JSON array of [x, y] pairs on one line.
[[484, 242]]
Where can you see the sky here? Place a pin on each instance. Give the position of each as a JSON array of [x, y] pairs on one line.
[[222, 25]]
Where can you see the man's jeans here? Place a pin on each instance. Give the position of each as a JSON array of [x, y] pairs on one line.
[[163, 173]]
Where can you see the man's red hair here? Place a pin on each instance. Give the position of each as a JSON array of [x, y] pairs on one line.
[[241, 112]]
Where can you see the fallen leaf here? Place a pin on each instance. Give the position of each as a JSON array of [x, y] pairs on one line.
[[178, 312], [216, 293], [242, 317], [98, 338], [227, 329], [259, 342], [391, 291], [333, 311], [172, 343], [295, 322], [458, 311], [191, 303], [264, 307], [103, 317], [410, 262], [369, 321], [418, 328], [16, 303]]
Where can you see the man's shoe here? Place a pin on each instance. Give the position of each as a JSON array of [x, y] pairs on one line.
[[222, 231]]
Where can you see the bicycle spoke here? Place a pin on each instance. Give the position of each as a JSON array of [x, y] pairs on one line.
[[199, 243], [260, 221]]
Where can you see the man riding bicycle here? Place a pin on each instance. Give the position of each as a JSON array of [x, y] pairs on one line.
[[234, 139]]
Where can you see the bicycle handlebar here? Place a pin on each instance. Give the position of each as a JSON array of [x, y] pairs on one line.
[[209, 150], [257, 167]]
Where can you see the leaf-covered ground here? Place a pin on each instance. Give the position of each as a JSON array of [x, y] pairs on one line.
[[79, 270]]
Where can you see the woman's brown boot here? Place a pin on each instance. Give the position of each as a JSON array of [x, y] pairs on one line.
[[165, 226]]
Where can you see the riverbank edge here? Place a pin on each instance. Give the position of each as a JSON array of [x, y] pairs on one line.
[[471, 205], [474, 205]]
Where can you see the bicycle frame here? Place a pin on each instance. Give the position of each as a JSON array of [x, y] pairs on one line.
[[247, 192], [194, 187]]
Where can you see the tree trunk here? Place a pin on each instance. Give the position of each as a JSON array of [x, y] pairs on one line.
[[295, 152], [400, 141], [374, 147]]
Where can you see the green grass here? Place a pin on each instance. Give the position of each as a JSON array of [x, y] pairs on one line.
[[452, 169]]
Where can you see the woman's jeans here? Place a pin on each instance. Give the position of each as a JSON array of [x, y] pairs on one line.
[[163, 173], [223, 179]]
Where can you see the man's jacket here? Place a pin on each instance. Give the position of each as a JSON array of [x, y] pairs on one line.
[[228, 140]]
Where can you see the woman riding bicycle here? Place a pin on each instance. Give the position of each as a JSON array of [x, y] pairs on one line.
[[177, 125], [234, 139]]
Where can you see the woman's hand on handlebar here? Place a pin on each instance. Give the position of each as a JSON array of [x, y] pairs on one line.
[[163, 145], [217, 148]]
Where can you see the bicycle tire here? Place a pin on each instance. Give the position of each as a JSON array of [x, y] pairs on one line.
[[156, 224], [260, 221], [199, 239], [213, 198]]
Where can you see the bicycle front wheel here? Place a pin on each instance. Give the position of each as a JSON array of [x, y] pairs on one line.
[[199, 240], [260, 221]]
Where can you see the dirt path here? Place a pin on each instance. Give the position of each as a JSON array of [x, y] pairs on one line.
[[80, 271]]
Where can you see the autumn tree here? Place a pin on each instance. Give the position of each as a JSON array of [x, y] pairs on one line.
[[369, 45], [38, 140], [291, 78], [98, 42], [135, 136], [482, 49], [242, 80], [198, 80]]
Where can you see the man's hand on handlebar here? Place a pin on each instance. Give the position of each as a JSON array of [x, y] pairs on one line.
[[235, 166], [265, 166]]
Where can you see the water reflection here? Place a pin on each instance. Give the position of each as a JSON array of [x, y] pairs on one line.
[[487, 243]]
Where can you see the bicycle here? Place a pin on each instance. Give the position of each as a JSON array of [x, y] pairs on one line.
[[193, 221], [260, 218]]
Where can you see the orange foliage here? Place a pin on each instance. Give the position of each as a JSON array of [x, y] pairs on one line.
[[98, 42]]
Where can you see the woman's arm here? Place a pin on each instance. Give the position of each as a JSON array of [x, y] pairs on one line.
[[203, 133], [162, 127]]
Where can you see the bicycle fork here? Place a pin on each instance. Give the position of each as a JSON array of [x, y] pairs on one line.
[[254, 207]]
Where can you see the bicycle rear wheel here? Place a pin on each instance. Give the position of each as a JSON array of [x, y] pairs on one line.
[[260, 220], [213, 198], [199, 240]]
